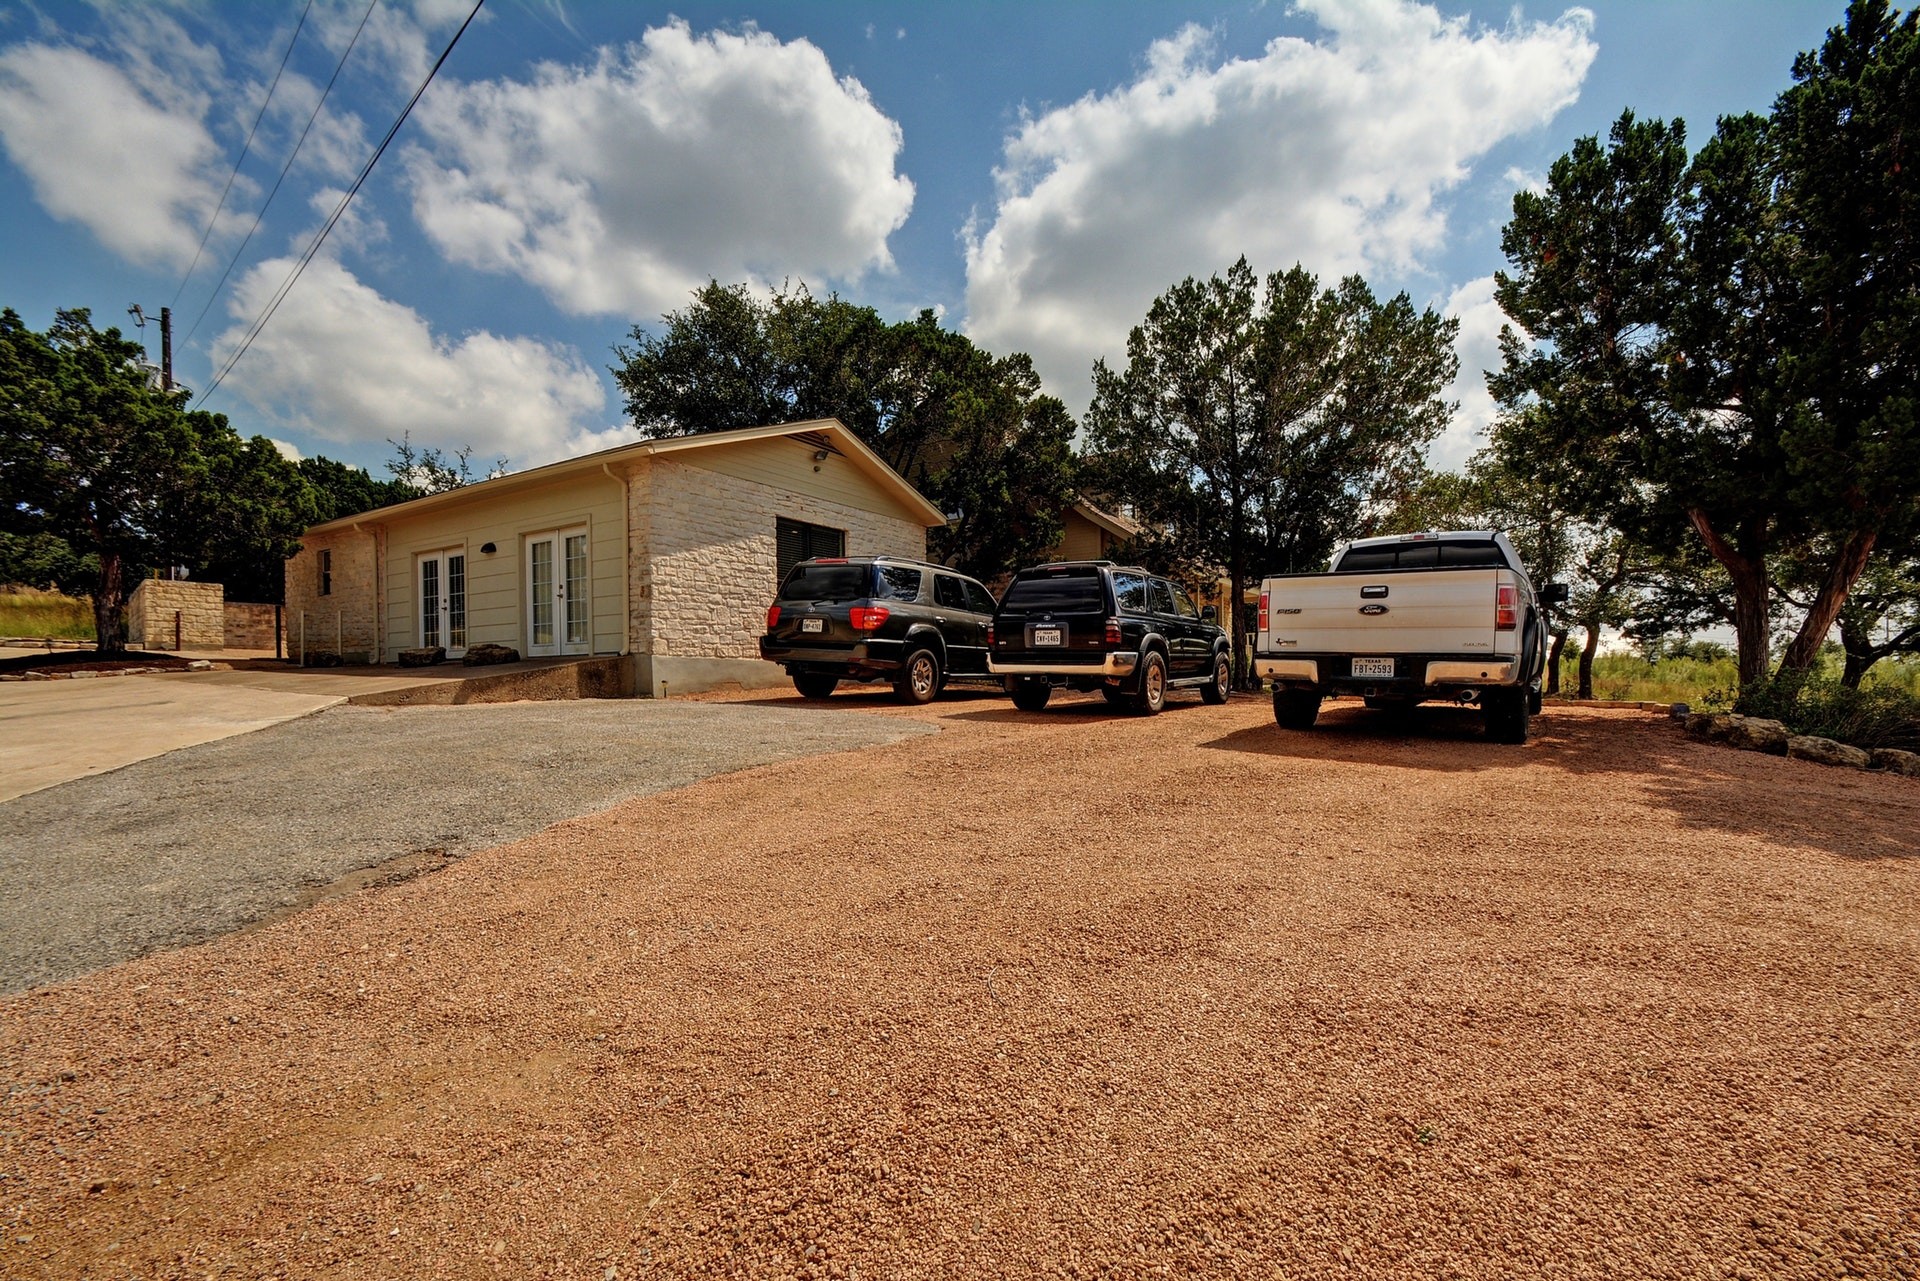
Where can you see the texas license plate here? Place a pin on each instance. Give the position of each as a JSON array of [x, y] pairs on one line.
[[813, 624], [1049, 636], [1373, 668]]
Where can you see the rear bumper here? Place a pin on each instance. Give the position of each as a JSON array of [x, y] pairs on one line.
[[1410, 671], [866, 658], [1107, 665]]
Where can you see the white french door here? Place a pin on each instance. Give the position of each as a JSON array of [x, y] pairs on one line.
[[442, 579], [557, 592]]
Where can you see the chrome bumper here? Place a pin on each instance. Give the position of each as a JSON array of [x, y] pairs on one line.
[[1115, 665]]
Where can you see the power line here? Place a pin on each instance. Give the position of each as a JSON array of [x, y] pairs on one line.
[[341, 208], [300, 142], [244, 148]]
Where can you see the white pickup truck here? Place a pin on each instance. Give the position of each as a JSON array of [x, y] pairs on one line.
[[1407, 619]]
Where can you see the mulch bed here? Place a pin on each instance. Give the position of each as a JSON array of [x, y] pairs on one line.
[[87, 660]]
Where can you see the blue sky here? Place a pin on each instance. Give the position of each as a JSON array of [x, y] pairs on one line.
[[1036, 171]]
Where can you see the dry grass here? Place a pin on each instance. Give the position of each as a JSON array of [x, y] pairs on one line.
[[25, 611]]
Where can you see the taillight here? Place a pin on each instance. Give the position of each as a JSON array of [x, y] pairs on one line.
[[1263, 611], [1113, 631], [1506, 608], [989, 635], [868, 618], [773, 616]]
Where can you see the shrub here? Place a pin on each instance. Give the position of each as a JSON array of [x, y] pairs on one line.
[[1876, 715]]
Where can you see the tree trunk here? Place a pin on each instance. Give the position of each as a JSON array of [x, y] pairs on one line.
[[1553, 659], [1847, 566], [1748, 569], [1586, 657], [109, 606]]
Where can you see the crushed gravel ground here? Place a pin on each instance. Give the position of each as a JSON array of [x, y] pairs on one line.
[[203, 841], [1055, 994]]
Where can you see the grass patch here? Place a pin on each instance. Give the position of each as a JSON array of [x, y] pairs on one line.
[[25, 612], [1630, 678]]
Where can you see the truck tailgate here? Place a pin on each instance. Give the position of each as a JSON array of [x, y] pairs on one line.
[[1425, 611]]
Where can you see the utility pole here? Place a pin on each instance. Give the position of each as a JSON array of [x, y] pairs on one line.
[[166, 341]]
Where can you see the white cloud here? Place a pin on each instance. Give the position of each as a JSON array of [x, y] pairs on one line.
[[288, 450], [343, 364], [120, 149], [1332, 153], [621, 186], [1479, 347]]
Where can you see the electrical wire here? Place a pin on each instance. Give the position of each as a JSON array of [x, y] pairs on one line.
[[286, 286], [244, 149], [300, 142]]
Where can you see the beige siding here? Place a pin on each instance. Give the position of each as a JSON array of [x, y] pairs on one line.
[[786, 463], [1081, 539], [345, 621], [496, 581], [710, 563]]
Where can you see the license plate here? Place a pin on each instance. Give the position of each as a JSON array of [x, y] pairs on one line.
[[813, 624], [1376, 668], [1049, 636]]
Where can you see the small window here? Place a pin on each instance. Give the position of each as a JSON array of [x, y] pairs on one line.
[[979, 599], [326, 571], [949, 592], [1182, 606], [796, 541], [896, 582], [1162, 596], [1131, 591]]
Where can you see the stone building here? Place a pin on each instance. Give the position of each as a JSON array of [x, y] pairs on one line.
[[667, 551]]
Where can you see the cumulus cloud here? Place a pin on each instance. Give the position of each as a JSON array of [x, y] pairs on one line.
[[1479, 347], [120, 149], [1334, 153], [621, 186], [343, 364]]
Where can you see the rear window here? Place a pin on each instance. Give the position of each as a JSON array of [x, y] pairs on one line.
[[1056, 591], [827, 582], [1452, 554]]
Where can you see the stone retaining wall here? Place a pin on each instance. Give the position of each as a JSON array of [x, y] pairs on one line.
[[249, 626], [201, 610]]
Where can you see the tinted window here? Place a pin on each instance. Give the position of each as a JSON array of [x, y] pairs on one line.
[[827, 582], [1062, 592], [1162, 596], [1473, 555], [1365, 560], [948, 591], [979, 599], [896, 582], [1182, 606], [1131, 591]]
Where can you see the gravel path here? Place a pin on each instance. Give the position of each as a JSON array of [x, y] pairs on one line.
[[1066, 994], [199, 842]]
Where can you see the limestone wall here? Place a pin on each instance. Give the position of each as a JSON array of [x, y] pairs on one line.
[[333, 597], [249, 626], [200, 606]]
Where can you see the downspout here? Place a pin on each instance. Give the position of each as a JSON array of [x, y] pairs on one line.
[[626, 559]]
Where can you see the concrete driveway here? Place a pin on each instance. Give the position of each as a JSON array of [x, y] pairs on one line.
[[55, 731]]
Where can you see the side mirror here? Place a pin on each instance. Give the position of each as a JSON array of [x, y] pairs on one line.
[[1208, 613], [1554, 594]]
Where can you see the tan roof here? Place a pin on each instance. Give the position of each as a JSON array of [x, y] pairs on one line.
[[1118, 526], [822, 433]]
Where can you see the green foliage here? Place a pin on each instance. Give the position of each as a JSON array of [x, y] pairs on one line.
[[91, 454], [971, 431], [46, 561], [1720, 348], [1876, 715], [340, 490], [1255, 428]]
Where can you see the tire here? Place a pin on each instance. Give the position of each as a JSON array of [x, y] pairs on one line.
[[920, 679], [811, 685], [1507, 713], [1115, 696], [1217, 690], [1150, 695], [1295, 709], [1030, 695]]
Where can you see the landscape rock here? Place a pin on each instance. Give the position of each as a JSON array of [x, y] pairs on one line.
[[487, 653], [200, 665], [1824, 751], [1710, 727], [1680, 712], [1895, 761], [424, 656], [1758, 734], [322, 658]]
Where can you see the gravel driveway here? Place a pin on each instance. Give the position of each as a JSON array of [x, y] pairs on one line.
[[202, 841], [1043, 995]]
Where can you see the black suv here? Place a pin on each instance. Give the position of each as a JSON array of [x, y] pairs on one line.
[[878, 618], [1091, 624]]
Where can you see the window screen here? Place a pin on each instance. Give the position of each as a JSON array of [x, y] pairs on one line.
[[798, 541], [326, 571]]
